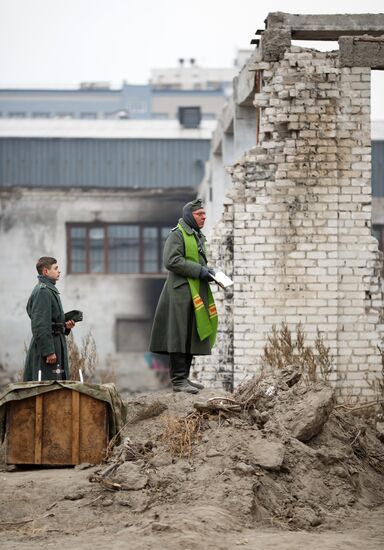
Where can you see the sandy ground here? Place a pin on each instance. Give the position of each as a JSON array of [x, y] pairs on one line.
[[85, 523], [215, 498]]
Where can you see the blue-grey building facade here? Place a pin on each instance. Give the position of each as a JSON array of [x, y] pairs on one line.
[[130, 101], [136, 102], [110, 163]]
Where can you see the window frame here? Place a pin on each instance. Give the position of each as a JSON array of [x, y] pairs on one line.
[[106, 248]]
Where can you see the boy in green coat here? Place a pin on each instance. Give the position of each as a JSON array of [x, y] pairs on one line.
[[47, 357], [185, 321]]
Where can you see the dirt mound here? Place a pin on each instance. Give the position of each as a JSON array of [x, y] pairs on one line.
[[212, 471], [277, 452]]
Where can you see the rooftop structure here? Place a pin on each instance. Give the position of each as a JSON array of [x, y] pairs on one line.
[[189, 75]]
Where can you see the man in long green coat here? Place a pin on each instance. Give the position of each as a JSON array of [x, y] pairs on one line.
[[185, 322], [47, 356]]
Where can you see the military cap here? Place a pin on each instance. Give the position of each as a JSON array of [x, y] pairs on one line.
[[74, 315], [196, 204]]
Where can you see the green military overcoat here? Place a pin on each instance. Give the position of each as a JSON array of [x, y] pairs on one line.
[[174, 326], [44, 308]]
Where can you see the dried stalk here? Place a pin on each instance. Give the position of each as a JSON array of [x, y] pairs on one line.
[[180, 433], [281, 351]]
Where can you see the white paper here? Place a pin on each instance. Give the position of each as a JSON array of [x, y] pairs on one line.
[[222, 279]]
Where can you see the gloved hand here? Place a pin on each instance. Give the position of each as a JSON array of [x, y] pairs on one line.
[[212, 271], [205, 275]]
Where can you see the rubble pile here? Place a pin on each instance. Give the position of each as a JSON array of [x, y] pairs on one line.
[[277, 452]]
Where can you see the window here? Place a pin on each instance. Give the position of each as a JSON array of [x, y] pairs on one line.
[[16, 114], [64, 115], [189, 117], [124, 249], [137, 108], [116, 248], [88, 116], [40, 114]]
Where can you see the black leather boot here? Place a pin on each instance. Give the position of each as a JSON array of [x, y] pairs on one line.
[[197, 385], [178, 373]]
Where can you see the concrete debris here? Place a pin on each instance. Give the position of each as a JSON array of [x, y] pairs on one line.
[[267, 454], [311, 414], [130, 476]]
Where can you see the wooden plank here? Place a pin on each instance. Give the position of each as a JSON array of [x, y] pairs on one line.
[[20, 431], [38, 428], [94, 429], [75, 427], [57, 436]]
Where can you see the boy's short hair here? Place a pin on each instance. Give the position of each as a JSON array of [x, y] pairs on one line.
[[45, 262]]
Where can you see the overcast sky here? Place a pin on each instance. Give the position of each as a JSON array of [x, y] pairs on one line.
[[64, 42]]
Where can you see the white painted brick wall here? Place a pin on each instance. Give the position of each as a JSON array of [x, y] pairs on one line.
[[295, 233]]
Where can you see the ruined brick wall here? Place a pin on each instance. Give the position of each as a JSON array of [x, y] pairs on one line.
[[299, 217], [218, 369]]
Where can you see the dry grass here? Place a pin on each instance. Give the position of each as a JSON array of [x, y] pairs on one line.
[[127, 450], [180, 433], [377, 387], [248, 393], [108, 375], [84, 358], [377, 384], [361, 443], [19, 375], [282, 351]]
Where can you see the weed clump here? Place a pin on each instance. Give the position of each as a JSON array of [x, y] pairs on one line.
[[82, 358], [179, 434], [282, 351]]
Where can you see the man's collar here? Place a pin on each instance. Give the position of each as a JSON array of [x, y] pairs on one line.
[[50, 284], [188, 229]]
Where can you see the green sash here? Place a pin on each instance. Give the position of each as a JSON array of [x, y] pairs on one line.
[[206, 322]]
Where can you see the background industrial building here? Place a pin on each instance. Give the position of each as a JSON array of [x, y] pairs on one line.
[[97, 178], [187, 92]]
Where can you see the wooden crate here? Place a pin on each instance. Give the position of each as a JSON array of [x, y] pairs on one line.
[[61, 427]]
